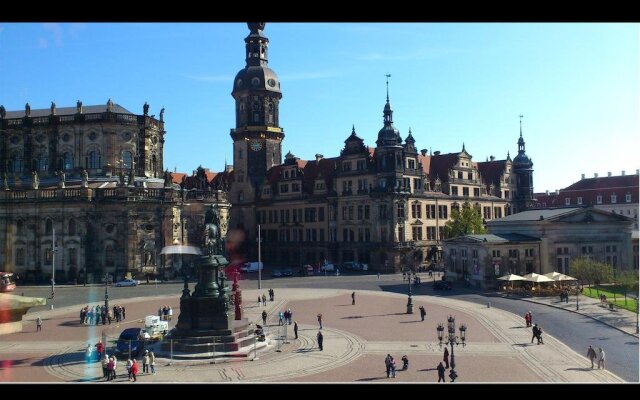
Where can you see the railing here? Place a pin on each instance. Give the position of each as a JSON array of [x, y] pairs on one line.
[[48, 193], [19, 194]]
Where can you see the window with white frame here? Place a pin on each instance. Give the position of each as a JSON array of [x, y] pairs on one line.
[[613, 198], [567, 201], [579, 200]]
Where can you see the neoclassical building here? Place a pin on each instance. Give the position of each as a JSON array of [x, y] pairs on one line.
[[93, 177], [383, 205]]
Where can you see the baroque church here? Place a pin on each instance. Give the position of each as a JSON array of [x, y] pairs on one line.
[[84, 193], [384, 206]]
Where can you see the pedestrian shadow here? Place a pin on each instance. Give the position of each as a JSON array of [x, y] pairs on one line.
[[428, 369], [518, 327], [377, 378], [306, 350], [409, 322], [376, 315], [344, 305], [579, 369], [523, 344]]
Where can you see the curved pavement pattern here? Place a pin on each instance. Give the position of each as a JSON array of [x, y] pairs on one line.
[[499, 348]]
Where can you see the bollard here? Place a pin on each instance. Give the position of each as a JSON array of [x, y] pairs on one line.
[[51, 307], [489, 304]]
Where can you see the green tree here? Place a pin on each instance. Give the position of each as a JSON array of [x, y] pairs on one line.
[[467, 220], [582, 268], [628, 281]]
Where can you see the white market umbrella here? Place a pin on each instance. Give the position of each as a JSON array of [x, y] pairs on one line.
[[557, 276], [533, 277], [511, 277]]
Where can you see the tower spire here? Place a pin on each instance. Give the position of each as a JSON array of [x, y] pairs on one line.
[[388, 76], [521, 116]]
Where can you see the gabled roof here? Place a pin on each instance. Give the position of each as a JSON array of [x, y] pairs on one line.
[[492, 171], [45, 112], [440, 165]]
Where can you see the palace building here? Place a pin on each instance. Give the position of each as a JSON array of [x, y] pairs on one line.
[[383, 205], [91, 178]]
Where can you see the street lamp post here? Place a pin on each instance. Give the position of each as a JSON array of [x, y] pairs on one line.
[[409, 302], [106, 291], [259, 259], [577, 296], [452, 339], [53, 263]]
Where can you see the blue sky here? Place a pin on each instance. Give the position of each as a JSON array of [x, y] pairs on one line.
[[577, 86]]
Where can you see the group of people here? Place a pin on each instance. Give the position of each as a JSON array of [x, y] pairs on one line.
[[110, 365], [564, 295], [165, 313], [591, 354], [284, 317], [390, 365], [97, 314]]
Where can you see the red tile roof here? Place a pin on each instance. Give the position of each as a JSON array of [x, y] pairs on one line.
[[589, 189]]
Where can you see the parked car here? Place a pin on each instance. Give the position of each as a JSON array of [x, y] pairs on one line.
[[130, 337], [328, 267], [349, 265], [252, 267], [287, 272], [276, 273], [127, 282], [442, 285]]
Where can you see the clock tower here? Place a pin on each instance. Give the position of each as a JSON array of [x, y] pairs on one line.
[[257, 137]]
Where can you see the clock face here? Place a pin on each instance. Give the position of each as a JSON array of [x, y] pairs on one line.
[[256, 145]]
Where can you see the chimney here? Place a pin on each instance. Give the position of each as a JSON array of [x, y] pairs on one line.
[[436, 153], [557, 191], [424, 152], [582, 176], [547, 193], [595, 175], [492, 158], [319, 157], [623, 173], [637, 172], [609, 174]]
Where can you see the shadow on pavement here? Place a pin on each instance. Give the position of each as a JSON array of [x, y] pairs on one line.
[[579, 369], [370, 379], [367, 316], [410, 322]]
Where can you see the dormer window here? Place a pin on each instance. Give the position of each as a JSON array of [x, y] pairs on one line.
[[460, 175], [613, 198]]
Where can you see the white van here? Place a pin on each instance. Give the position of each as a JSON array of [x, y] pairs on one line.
[[252, 267], [328, 267]]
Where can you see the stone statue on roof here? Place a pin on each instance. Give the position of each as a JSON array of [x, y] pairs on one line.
[[27, 110], [162, 114], [168, 178], [62, 175], [85, 178], [35, 181], [5, 181], [53, 108], [145, 108], [79, 107], [3, 112], [110, 105]]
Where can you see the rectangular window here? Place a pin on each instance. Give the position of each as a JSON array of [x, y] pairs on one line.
[[284, 188], [431, 211], [346, 166], [498, 212], [360, 212], [465, 191], [454, 190], [350, 213], [360, 165], [383, 211], [431, 233], [495, 253], [367, 235], [476, 192], [360, 235], [320, 214], [440, 232], [412, 163], [486, 212], [48, 256], [613, 199], [579, 201], [400, 234], [599, 199], [73, 256], [344, 213], [366, 212], [443, 212], [295, 187], [470, 176], [417, 233], [400, 210], [474, 253], [460, 175], [567, 201], [627, 198]]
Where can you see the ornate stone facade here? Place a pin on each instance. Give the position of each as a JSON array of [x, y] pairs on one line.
[[99, 185]]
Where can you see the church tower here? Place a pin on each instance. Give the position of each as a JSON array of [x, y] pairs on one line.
[[257, 137], [523, 169]]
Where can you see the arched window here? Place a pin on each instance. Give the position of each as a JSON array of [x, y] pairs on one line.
[[16, 163], [67, 160], [19, 227], [42, 162], [127, 159], [93, 160], [72, 226], [48, 227]]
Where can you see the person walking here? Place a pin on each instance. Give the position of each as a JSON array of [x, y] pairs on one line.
[[105, 366], [320, 320], [264, 299], [423, 312], [99, 349], [405, 362], [320, 339], [38, 324], [145, 362], [128, 366], [134, 370], [295, 328], [259, 300], [353, 298], [540, 341], [446, 357], [591, 355], [393, 367], [441, 369], [152, 362], [264, 317], [387, 364], [378, 275], [600, 358], [527, 320], [535, 333]]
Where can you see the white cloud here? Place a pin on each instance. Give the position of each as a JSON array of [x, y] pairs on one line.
[[56, 31]]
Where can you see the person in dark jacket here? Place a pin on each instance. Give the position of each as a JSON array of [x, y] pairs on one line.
[[320, 339], [440, 369]]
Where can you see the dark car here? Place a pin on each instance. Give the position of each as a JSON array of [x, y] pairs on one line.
[[276, 273], [287, 272], [130, 336], [442, 285]]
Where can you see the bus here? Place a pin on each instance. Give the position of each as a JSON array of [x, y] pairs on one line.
[[7, 282]]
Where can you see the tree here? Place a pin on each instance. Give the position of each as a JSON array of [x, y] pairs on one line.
[[628, 281], [466, 221], [582, 268]]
